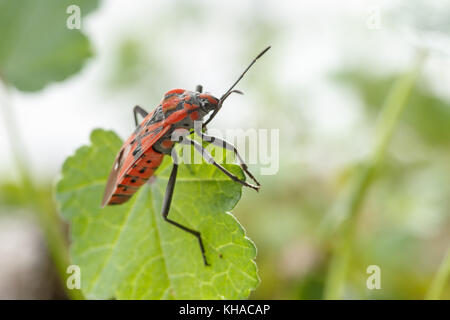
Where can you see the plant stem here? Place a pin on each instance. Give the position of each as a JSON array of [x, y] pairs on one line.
[[48, 221], [440, 279], [394, 105]]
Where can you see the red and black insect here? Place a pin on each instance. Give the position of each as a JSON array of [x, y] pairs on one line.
[[152, 139]]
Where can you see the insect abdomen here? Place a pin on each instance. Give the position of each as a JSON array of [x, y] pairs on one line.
[[136, 176]]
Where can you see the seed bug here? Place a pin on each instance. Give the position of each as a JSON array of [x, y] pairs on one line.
[[143, 151]]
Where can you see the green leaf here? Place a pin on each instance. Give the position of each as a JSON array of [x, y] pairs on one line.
[[130, 252], [36, 46]]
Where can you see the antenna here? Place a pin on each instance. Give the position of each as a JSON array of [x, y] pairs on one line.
[[230, 91]]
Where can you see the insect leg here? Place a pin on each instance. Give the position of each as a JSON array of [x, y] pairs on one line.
[[142, 112], [226, 145], [167, 201], [205, 154]]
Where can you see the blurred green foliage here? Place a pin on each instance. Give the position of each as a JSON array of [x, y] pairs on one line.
[[405, 219], [36, 46], [428, 115]]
